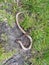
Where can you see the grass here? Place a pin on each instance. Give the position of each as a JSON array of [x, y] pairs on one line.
[[27, 23], [4, 16], [39, 28], [36, 21], [4, 56]]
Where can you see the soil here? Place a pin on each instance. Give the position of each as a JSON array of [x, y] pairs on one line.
[[13, 34]]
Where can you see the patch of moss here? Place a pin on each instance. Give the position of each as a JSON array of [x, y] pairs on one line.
[[4, 37], [4, 16], [5, 56]]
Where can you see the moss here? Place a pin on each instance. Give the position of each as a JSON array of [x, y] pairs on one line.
[[4, 16], [4, 37], [5, 56]]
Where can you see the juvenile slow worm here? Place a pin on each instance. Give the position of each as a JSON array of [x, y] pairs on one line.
[[24, 48]]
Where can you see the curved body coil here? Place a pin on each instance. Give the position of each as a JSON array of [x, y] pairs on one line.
[[23, 47]]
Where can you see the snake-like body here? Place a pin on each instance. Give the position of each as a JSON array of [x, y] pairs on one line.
[[23, 47]]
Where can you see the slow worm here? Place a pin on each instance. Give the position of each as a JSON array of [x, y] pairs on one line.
[[24, 48]]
